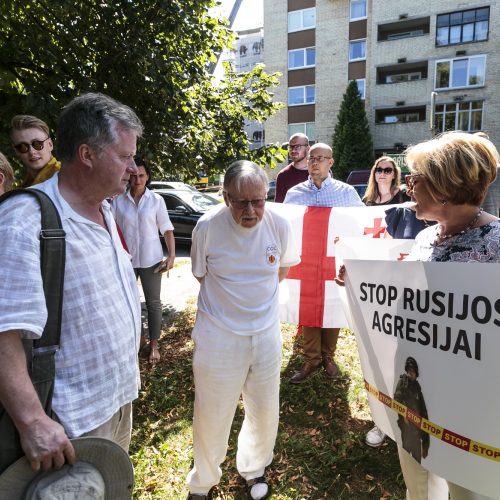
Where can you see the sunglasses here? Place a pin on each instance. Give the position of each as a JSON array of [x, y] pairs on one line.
[[387, 171], [410, 181], [242, 204], [291, 147], [24, 147]]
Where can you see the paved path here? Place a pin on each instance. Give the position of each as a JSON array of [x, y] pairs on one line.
[[178, 288], [180, 285]]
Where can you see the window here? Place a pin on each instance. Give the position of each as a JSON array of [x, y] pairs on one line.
[[301, 58], [463, 72], [358, 9], [301, 95], [299, 20], [308, 128], [361, 87], [357, 50], [400, 115], [463, 26], [403, 77], [466, 116]]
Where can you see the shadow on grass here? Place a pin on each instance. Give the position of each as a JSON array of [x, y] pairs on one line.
[[320, 450]]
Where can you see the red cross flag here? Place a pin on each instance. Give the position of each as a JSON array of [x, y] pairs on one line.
[[309, 296]]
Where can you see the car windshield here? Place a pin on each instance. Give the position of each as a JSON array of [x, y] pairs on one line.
[[198, 201]]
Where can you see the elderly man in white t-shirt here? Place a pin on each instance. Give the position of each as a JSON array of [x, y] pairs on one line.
[[239, 254]]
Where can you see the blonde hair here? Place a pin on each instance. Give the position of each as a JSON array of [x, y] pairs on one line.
[[372, 192], [7, 172], [458, 166], [22, 122]]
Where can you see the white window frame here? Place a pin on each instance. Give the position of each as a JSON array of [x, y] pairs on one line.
[[304, 128], [362, 93], [301, 12], [365, 2], [450, 82], [304, 95], [351, 43], [457, 112], [304, 51]]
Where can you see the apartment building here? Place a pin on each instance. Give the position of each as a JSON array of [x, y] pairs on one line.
[[413, 62]]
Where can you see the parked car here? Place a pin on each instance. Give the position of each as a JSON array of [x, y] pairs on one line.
[[185, 207], [170, 185], [272, 190]]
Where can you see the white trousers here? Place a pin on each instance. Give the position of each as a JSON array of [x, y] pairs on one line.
[[225, 366], [422, 484]]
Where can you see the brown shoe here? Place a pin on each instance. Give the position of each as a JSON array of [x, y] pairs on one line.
[[306, 371], [331, 368]]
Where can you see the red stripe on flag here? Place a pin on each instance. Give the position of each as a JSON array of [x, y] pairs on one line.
[[315, 267]]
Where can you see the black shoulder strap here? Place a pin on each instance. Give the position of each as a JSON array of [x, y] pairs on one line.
[[52, 262]]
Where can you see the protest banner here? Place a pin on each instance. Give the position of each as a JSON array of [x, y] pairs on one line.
[[309, 296], [443, 318]]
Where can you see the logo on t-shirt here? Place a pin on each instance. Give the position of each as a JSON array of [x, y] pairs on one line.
[[272, 254]]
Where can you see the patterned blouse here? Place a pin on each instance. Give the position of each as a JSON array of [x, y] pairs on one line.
[[481, 244]]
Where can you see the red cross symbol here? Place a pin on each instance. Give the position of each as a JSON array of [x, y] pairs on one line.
[[315, 267], [377, 228]]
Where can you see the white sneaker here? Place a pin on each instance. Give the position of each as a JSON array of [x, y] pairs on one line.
[[375, 437]]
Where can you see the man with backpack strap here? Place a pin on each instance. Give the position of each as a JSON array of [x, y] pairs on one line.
[[96, 364]]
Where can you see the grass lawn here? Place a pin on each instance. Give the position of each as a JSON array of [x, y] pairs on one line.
[[320, 450]]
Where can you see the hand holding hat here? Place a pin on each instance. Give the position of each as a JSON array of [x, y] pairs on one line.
[[102, 471], [46, 445]]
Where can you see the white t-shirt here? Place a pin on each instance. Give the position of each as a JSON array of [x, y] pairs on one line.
[[240, 269], [140, 225]]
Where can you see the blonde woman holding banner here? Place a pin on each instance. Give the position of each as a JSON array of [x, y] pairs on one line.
[[450, 175], [448, 182]]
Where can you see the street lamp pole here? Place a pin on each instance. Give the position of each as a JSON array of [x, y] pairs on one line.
[[432, 120]]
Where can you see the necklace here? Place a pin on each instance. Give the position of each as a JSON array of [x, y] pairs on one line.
[[442, 237]]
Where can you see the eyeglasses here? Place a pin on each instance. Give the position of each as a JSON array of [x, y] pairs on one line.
[[386, 171], [24, 147], [410, 181], [319, 159], [242, 204], [291, 147]]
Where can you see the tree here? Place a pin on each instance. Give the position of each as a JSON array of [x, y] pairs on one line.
[[352, 140], [153, 55]]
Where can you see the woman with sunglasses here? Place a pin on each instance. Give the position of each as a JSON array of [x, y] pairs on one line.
[[449, 179], [383, 185], [383, 189], [33, 146]]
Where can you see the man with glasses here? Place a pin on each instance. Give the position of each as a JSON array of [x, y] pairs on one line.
[[240, 253], [320, 190], [33, 146], [295, 172]]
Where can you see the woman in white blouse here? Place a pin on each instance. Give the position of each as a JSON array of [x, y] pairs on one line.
[[141, 213]]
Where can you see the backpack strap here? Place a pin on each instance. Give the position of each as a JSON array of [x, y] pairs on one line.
[[52, 263]]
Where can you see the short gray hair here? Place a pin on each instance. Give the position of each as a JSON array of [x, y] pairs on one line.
[[93, 119], [243, 171]]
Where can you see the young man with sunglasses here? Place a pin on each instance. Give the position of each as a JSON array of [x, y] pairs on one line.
[[33, 146], [320, 190], [296, 172]]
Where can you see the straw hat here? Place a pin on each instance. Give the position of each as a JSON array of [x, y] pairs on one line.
[[102, 471]]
